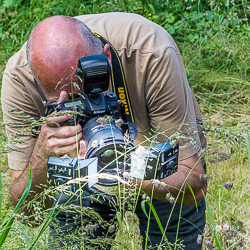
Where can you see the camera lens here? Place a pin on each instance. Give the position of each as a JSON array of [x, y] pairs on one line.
[[110, 152], [108, 156]]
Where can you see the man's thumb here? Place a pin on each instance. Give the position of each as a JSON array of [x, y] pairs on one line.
[[63, 97], [83, 149]]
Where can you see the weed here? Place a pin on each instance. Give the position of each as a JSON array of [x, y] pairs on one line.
[[213, 37]]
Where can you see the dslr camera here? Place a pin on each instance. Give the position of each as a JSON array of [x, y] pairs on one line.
[[107, 150]]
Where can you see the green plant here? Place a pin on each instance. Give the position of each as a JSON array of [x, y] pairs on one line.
[[214, 42], [8, 224]]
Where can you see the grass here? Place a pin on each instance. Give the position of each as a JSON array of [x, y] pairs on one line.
[[215, 46], [229, 206]]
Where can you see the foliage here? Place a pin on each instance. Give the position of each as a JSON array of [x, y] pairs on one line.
[[213, 37], [188, 20]]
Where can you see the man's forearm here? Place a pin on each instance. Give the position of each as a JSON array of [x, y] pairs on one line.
[[189, 170], [53, 140], [175, 185], [38, 164]]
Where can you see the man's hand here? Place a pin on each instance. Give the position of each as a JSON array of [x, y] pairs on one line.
[[53, 140], [60, 140]]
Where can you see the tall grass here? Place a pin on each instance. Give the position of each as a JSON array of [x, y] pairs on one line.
[[213, 37], [6, 226]]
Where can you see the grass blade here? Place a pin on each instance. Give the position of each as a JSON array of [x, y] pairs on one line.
[[210, 218], [118, 216], [156, 217], [191, 190], [144, 208], [248, 143], [0, 192], [25, 193], [6, 230], [179, 220], [9, 223], [45, 225], [19, 227]]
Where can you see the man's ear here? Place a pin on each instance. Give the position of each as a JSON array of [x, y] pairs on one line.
[[107, 53]]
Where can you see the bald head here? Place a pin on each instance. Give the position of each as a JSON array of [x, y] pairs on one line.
[[53, 50]]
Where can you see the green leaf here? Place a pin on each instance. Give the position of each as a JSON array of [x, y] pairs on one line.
[[6, 230], [190, 37], [151, 9], [171, 30], [196, 36], [171, 19], [166, 26], [192, 224], [9, 3]]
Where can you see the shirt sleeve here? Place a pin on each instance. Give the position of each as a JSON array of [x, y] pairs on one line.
[[16, 96], [170, 102]]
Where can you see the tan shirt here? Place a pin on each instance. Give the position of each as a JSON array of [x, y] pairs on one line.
[[159, 91]]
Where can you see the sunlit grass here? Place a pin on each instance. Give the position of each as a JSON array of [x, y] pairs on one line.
[[217, 62]]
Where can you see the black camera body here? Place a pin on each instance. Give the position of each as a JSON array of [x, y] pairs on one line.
[[93, 73], [88, 106], [61, 170], [157, 162], [106, 142], [164, 161]]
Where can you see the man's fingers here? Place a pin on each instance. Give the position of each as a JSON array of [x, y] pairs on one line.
[[83, 149], [61, 132], [59, 151], [62, 142], [54, 121], [60, 146]]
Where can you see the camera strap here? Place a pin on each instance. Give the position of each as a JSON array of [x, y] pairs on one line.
[[119, 86]]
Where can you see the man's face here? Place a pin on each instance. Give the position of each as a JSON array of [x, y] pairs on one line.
[[67, 82], [62, 77]]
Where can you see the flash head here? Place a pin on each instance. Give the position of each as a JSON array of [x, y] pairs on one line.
[[94, 72]]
